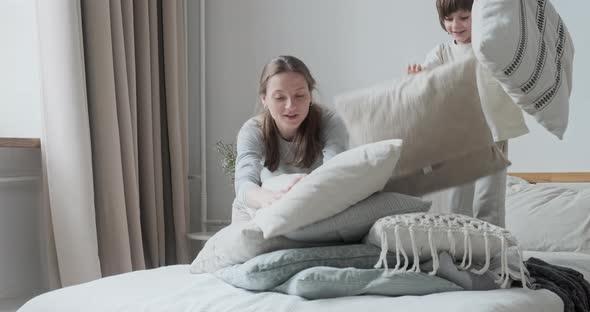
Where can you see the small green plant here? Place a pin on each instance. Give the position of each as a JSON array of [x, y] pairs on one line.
[[227, 154]]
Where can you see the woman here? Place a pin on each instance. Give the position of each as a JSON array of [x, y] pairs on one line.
[[291, 135]]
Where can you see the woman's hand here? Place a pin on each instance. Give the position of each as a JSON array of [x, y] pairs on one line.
[[267, 197], [414, 69], [260, 197], [295, 181]]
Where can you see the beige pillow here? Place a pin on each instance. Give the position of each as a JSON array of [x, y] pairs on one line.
[[438, 115]]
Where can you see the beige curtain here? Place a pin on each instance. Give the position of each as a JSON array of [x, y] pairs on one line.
[[135, 76], [133, 65]]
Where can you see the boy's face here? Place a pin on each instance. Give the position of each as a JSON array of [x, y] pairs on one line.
[[458, 25]]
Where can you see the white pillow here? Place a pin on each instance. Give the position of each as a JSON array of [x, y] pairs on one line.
[[236, 244], [422, 236], [549, 218], [527, 47], [354, 222], [339, 183]]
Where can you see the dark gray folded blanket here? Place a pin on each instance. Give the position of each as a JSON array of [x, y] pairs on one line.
[[567, 283]]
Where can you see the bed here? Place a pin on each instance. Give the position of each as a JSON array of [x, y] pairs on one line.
[[173, 288]]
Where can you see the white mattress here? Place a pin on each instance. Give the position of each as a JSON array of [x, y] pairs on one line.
[[173, 288]]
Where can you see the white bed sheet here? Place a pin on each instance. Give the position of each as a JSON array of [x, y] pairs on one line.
[[173, 288]]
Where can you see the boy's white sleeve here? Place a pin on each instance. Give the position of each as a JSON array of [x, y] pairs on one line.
[[434, 58]]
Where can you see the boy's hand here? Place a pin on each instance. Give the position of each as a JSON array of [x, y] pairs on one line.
[[414, 69]]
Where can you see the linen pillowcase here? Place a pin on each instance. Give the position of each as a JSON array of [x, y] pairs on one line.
[[528, 49], [269, 270], [438, 115], [454, 172], [355, 222], [339, 183], [327, 282], [548, 217], [422, 236]]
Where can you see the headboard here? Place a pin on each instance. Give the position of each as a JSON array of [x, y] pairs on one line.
[[553, 177]]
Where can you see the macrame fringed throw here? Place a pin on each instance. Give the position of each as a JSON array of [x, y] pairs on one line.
[[433, 225]]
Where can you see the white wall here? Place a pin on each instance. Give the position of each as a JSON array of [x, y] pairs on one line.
[[21, 271], [20, 98], [350, 44]]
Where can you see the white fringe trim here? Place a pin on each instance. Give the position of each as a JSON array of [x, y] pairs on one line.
[[384, 249], [431, 225], [487, 264], [416, 267], [433, 253]]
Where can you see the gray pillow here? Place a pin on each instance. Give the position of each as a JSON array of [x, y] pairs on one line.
[[326, 282], [267, 271], [355, 222]]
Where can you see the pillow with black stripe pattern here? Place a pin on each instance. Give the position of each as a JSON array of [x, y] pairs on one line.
[[528, 48]]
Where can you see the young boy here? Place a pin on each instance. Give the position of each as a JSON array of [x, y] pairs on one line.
[[484, 198]]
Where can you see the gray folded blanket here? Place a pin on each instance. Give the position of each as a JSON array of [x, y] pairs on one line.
[[567, 283]]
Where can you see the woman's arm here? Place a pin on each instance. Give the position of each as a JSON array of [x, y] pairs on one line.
[[250, 149], [334, 135]]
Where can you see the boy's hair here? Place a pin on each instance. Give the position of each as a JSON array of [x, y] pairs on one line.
[[448, 7]]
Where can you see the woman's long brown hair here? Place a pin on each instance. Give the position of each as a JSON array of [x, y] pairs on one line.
[[307, 141]]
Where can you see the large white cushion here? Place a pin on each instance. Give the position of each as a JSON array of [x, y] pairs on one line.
[[529, 50], [549, 217], [355, 221], [339, 183], [438, 115]]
